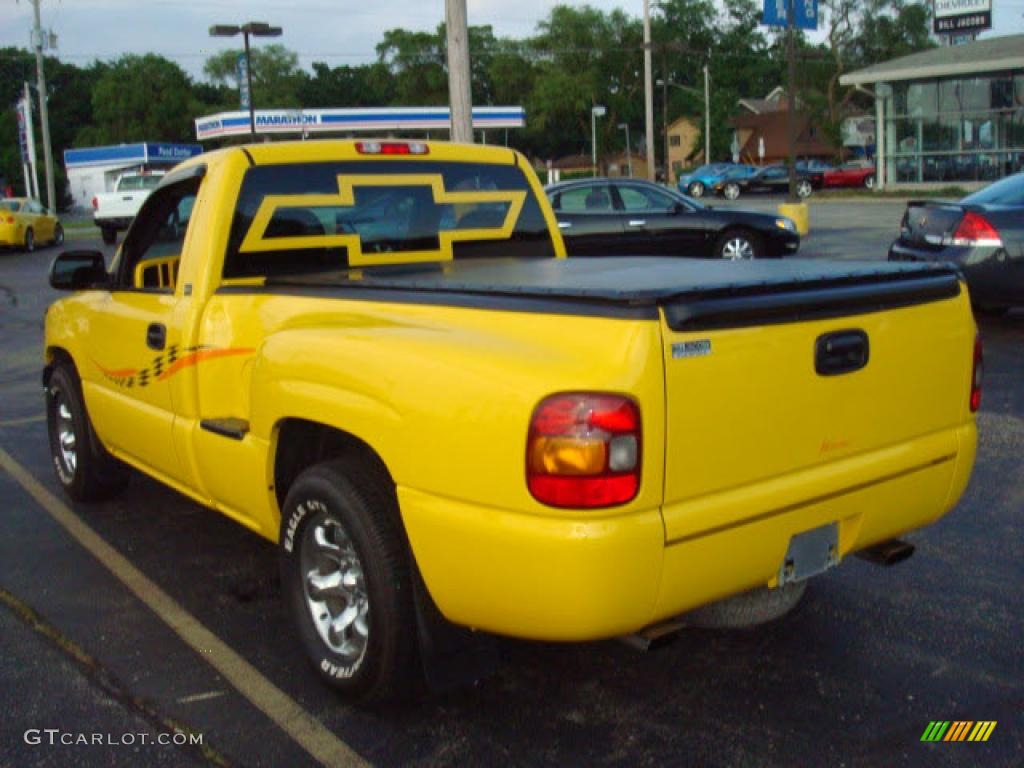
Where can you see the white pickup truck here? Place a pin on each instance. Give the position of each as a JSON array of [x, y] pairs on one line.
[[114, 211]]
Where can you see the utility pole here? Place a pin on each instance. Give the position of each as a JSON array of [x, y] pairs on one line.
[[459, 94], [707, 116], [791, 97], [44, 115], [649, 95]]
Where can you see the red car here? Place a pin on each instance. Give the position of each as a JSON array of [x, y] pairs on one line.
[[856, 173]]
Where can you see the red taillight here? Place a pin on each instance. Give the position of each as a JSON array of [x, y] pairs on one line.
[[391, 148], [10, 219], [975, 229], [95, 204], [583, 451], [976, 374]]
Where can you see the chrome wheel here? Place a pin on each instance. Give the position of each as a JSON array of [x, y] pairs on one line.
[[67, 441], [30, 240], [696, 189], [803, 189], [869, 182], [335, 589], [736, 248], [731, 191]]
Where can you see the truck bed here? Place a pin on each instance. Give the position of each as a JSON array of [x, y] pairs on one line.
[[694, 292]]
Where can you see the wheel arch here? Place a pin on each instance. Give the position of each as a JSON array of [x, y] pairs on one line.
[[300, 443]]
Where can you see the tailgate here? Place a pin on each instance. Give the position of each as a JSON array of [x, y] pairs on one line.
[[778, 398]]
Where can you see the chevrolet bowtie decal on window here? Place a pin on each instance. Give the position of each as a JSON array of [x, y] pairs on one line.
[[431, 218], [167, 364]]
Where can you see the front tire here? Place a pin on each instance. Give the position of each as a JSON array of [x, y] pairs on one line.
[[696, 189], [869, 182], [738, 245], [83, 467], [731, 191], [346, 578]]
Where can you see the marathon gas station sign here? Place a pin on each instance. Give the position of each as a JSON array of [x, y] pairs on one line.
[[307, 121], [956, 17]]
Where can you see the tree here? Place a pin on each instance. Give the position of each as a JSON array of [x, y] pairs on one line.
[[277, 79], [140, 98]]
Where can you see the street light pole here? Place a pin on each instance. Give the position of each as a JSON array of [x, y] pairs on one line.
[[629, 151], [648, 95], [256, 29], [707, 116], [44, 114]]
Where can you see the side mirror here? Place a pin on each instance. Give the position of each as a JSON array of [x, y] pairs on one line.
[[78, 270]]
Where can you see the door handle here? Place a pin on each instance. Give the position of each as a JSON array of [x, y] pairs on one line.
[[637, 223], [564, 225], [841, 352], [156, 336]]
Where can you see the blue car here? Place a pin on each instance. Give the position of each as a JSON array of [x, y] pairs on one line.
[[698, 182]]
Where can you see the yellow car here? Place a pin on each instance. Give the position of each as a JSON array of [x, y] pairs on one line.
[[25, 222]]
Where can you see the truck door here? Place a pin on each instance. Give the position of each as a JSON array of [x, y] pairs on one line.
[[136, 344]]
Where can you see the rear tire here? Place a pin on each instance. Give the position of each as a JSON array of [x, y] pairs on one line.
[[83, 467], [346, 578], [109, 235], [731, 191], [749, 609], [58, 235], [869, 182], [696, 189], [30, 240], [738, 245], [804, 188]]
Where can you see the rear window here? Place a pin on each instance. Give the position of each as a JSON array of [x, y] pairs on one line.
[[313, 217], [10, 205], [1008, 191]]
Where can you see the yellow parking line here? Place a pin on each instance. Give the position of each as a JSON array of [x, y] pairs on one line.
[[300, 726]]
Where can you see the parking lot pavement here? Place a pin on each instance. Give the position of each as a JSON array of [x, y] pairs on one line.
[[853, 677]]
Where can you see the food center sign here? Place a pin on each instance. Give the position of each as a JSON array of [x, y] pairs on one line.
[[307, 121], [955, 17]]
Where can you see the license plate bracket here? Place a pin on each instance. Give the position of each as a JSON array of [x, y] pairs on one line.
[[810, 553]]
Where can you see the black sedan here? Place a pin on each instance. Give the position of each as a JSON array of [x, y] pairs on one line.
[[983, 234], [629, 217], [771, 178]]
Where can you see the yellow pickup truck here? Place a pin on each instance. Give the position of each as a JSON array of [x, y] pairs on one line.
[[375, 354]]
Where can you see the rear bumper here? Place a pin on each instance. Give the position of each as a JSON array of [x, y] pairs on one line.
[[115, 222], [992, 276], [577, 579]]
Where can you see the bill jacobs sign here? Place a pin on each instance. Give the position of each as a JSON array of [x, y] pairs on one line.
[[955, 17]]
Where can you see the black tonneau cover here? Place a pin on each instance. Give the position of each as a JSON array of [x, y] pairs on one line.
[[693, 292]]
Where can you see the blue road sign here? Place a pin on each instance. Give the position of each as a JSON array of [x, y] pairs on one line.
[[805, 13], [244, 96]]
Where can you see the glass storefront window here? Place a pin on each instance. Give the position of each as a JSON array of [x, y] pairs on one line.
[[955, 129]]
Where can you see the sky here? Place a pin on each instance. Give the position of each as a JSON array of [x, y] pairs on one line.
[[336, 31]]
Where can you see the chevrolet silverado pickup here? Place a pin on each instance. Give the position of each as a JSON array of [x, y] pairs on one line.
[[376, 355], [113, 211]]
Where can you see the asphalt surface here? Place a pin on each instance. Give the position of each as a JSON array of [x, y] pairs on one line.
[[851, 678]]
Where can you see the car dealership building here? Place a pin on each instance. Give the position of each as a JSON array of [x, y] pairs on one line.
[[949, 115]]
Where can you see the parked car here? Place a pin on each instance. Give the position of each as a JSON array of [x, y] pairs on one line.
[[25, 222], [814, 166], [630, 217], [455, 432], [856, 173], [699, 181], [983, 234], [114, 211], [771, 178]]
